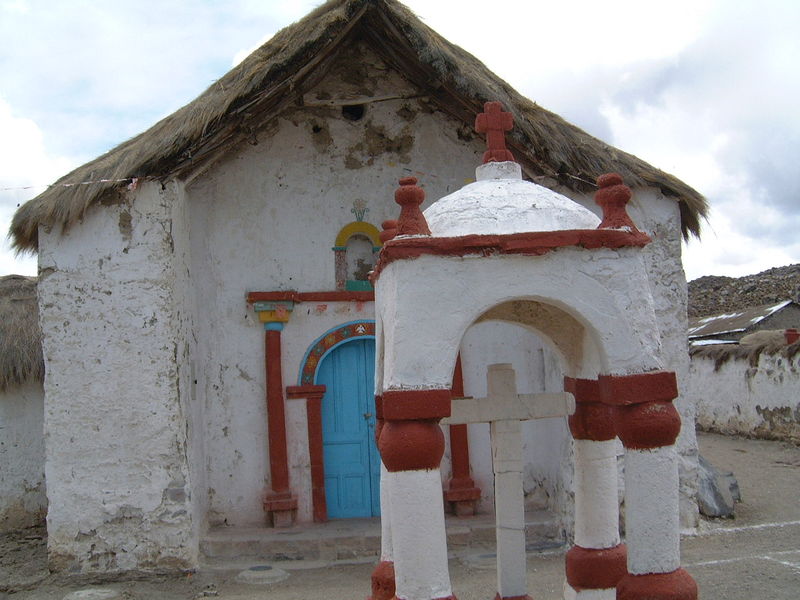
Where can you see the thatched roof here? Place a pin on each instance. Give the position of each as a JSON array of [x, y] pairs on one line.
[[277, 75], [722, 353], [20, 337]]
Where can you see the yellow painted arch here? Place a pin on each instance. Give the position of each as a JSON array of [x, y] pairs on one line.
[[362, 227]]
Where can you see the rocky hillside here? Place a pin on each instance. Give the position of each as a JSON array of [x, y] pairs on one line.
[[714, 294]]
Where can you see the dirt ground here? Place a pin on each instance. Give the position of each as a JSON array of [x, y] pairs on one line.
[[754, 556]]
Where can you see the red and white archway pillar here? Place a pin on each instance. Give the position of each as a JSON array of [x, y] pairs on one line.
[[383, 587], [412, 445], [648, 425], [597, 562]]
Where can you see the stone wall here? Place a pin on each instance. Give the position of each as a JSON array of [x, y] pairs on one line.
[[753, 392], [23, 501]]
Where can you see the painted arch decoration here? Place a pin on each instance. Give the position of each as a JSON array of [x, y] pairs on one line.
[[346, 255], [327, 342]]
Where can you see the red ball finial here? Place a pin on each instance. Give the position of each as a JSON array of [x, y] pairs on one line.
[[409, 196], [494, 123], [612, 196], [389, 230]]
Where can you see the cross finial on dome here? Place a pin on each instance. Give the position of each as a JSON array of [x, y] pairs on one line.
[[612, 197], [409, 196], [494, 123]]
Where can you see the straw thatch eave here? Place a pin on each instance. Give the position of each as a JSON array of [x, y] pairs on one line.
[[20, 338], [276, 75]]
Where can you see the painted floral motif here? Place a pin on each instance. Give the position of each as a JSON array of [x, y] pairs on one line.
[[336, 336]]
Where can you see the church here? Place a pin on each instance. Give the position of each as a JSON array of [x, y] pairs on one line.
[[208, 312]]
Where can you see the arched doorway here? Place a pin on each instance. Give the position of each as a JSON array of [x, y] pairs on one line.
[[350, 456]]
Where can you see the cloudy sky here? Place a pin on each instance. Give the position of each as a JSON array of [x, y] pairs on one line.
[[707, 90]]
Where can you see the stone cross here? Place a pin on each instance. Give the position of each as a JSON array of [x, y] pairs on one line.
[[494, 123], [505, 410]]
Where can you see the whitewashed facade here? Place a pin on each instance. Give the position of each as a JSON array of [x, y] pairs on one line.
[[155, 414]]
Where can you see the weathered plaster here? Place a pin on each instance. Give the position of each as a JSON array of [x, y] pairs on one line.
[[155, 407], [546, 441], [605, 290], [761, 400], [266, 219], [23, 501], [117, 461]]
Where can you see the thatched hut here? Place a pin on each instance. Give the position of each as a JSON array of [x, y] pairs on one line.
[[257, 207], [20, 338], [22, 498]]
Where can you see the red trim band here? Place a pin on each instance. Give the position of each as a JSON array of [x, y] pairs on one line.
[[621, 390], [293, 296], [677, 585], [531, 244], [584, 390], [304, 391], [591, 420], [413, 405], [596, 568]]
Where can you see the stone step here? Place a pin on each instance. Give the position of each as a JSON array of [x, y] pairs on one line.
[[354, 540]]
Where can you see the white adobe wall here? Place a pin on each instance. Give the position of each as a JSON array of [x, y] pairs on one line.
[[23, 502], [546, 442], [761, 400], [111, 298], [266, 219]]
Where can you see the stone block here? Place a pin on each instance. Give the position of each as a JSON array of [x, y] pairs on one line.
[[717, 491]]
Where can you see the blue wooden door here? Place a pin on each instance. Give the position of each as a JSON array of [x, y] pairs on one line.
[[352, 463]]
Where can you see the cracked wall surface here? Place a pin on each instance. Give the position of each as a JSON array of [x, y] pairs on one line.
[[117, 463], [741, 398], [23, 502]]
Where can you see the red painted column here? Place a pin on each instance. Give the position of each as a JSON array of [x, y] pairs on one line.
[[461, 492], [382, 579], [279, 501], [313, 395], [648, 425], [411, 444], [597, 561]]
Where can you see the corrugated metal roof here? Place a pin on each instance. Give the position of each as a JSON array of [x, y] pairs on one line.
[[732, 322]]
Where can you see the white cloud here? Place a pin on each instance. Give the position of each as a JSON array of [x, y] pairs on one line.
[[701, 88], [24, 163]]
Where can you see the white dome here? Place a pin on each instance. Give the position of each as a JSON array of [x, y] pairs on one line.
[[501, 202]]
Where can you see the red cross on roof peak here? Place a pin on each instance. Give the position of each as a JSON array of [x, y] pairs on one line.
[[494, 123]]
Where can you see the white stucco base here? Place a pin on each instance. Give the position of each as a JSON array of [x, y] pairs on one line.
[[23, 501], [651, 511], [596, 502], [571, 594], [418, 535]]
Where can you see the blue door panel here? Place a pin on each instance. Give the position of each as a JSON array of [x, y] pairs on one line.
[[351, 459]]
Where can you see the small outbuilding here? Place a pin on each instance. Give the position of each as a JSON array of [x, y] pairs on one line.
[[23, 502], [730, 327]]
